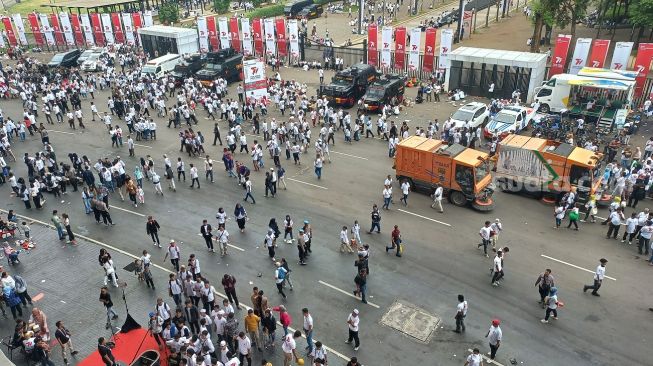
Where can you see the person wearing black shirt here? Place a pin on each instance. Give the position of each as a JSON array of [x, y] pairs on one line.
[[63, 337], [105, 352], [105, 298], [353, 362]]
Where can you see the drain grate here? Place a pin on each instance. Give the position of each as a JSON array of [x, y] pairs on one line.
[[411, 320]]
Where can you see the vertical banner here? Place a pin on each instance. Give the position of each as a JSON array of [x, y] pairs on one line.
[[386, 41], [97, 29], [36, 30], [446, 39], [117, 28], [2, 40], [270, 47], [599, 52], [372, 44], [20, 29], [467, 23], [293, 34], [203, 34], [11, 36], [67, 29], [429, 50], [400, 48], [106, 26], [281, 37], [258, 36], [212, 29], [256, 86], [235, 34], [88, 30], [413, 51], [621, 55], [223, 28], [148, 21], [138, 21], [247, 37], [129, 29], [47, 30], [56, 28], [642, 66], [77, 29], [560, 54], [579, 59]]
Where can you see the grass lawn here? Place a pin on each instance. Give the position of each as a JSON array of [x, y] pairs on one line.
[[27, 6]]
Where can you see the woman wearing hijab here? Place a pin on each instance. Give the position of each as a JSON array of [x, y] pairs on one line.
[[241, 216]]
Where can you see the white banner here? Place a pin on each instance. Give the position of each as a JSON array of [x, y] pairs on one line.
[[107, 28], [147, 18], [87, 29], [223, 29], [579, 59], [247, 36], [293, 33], [413, 51], [204, 34], [621, 55], [66, 28], [2, 39], [446, 39], [255, 82], [270, 44], [129, 28], [386, 43], [20, 29], [47, 29]]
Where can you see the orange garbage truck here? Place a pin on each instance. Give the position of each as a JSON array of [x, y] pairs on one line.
[[547, 169], [463, 173]]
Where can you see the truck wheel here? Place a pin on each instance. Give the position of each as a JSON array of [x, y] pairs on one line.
[[457, 198], [544, 108]]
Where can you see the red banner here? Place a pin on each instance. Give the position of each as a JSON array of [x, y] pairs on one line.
[[11, 36], [642, 66], [258, 36], [138, 22], [599, 52], [429, 50], [213, 33], [372, 47], [56, 28], [235, 34], [36, 30], [97, 29], [117, 28], [77, 29], [281, 37], [400, 48], [559, 58]]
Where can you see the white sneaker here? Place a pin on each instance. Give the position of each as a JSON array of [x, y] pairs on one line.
[[159, 245], [544, 321], [495, 284], [355, 348]]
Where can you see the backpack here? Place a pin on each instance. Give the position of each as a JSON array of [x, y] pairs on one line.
[[281, 273]]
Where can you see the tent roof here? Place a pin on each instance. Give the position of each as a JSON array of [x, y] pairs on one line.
[[498, 57]]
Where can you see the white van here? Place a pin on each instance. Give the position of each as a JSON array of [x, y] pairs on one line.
[[159, 66]]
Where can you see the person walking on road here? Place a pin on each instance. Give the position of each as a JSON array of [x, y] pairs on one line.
[[361, 284], [631, 229], [279, 277], [152, 228], [437, 198], [544, 283], [248, 191], [494, 336], [173, 252], [207, 233], [376, 219], [352, 323], [387, 197], [56, 222], [396, 241], [64, 339], [461, 313], [105, 299], [344, 241], [645, 234], [475, 358], [615, 219], [497, 269], [289, 347], [484, 233], [405, 188], [599, 274], [552, 304]]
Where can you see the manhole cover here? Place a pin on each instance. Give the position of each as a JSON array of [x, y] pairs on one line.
[[410, 320]]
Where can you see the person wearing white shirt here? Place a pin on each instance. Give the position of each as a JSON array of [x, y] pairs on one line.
[[437, 198], [497, 228], [598, 278], [461, 313], [218, 323], [484, 233], [162, 309], [631, 228], [387, 197], [475, 359], [223, 240], [289, 347], [352, 322], [244, 348], [615, 219], [559, 213], [497, 269], [194, 176], [308, 329], [405, 188], [645, 237], [344, 241]]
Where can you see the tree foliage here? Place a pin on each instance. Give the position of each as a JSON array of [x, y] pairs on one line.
[[169, 13], [221, 6], [640, 13]]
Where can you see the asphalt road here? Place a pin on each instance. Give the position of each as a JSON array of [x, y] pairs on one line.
[[439, 262]]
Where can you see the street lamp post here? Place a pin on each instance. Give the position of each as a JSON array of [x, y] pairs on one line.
[[461, 11]]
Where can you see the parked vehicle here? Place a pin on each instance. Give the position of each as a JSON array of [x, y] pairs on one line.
[[229, 68], [473, 114], [510, 119], [463, 173], [349, 85], [187, 68], [160, 66], [91, 62], [88, 53], [385, 90], [292, 9], [65, 59], [311, 11]]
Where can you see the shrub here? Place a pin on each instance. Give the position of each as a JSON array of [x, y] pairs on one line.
[[169, 13]]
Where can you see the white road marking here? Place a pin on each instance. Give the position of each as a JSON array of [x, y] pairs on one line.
[[486, 357], [64, 132], [424, 217], [126, 210], [235, 247], [161, 268], [346, 293], [145, 146], [310, 184], [573, 265], [351, 156]]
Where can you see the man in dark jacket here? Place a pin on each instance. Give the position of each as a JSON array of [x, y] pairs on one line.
[[192, 316], [206, 231], [152, 228]]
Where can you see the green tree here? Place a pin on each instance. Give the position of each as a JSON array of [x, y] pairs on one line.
[[640, 13], [169, 13], [221, 6], [561, 13]]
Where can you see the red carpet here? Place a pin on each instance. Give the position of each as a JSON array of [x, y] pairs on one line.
[[128, 348]]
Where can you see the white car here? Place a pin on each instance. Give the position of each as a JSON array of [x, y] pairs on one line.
[[91, 63], [88, 53], [472, 114], [511, 119]]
